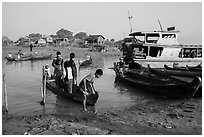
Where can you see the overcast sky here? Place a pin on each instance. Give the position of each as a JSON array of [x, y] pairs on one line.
[[105, 18]]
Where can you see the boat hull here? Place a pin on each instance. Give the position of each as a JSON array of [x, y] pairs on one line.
[[85, 63], [154, 59], [170, 87], [78, 97], [41, 57], [31, 58], [184, 72], [158, 89], [193, 87]]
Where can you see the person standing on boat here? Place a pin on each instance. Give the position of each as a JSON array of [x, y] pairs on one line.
[[47, 72], [72, 65], [86, 85], [68, 80], [57, 63]]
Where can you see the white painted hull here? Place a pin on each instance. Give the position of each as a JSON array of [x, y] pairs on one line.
[[159, 63], [170, 60]]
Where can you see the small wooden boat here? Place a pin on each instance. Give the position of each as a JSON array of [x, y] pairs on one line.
[[40, 57], [189, 87], [78, 96], [30, 57], [14, 59], [195, 68], [187, 68], [185, 72], [85, 62], [175, 68], [167, 85]]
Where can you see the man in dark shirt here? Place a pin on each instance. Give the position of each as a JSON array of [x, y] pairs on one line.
[[57, 63], [67, 64]]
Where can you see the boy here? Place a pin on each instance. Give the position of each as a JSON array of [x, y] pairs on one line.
[[47, 72], [86, 85]]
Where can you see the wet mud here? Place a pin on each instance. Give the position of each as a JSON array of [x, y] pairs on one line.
[[165, 117]]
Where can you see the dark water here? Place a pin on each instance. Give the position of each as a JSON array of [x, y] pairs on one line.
[[23, 82]]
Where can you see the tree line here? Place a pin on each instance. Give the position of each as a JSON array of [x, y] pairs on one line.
[[60, 34]]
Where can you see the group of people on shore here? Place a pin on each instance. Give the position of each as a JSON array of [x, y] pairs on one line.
[[65, 74]]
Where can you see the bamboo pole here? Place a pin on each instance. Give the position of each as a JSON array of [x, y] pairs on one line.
[[5, 93], [43, 88], [44, 83]]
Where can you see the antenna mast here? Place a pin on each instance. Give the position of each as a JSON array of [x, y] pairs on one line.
[[130, 17], [160, 25]]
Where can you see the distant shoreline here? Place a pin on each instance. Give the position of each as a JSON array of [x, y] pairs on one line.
[[80, 52]]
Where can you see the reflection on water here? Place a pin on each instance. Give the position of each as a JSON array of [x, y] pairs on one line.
[[69, 107], [24, 79], [135, 94], [32, 65]]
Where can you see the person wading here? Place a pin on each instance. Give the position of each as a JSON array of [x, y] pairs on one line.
[[86, 85]]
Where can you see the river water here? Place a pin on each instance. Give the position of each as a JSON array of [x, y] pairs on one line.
[[24, 79]]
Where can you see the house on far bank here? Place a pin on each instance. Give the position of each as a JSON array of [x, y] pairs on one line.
[[23, 41], [49, 39], [6, 40], [95, 40], [40, 42]]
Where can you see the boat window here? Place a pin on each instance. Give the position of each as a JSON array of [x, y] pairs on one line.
[[199, 52], [140, 39], [152, 38], [186, 52], [155, 51], [168, 35], [140, 52], [192, 52]]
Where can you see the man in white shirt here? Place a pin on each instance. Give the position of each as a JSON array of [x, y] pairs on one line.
[[71, 74], [68, 79]]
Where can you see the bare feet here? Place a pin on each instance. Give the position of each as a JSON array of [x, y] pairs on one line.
[[85, 109], [95, 112]]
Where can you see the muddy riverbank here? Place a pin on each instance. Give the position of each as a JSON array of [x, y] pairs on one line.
[[164, 117]]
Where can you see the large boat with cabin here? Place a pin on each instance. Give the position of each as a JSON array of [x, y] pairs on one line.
[[149, 47]]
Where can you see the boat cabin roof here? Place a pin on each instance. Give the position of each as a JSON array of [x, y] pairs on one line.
[[142, 33], [157, 37]]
